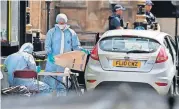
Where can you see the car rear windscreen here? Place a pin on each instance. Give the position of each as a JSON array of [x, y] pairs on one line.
[[128, 43]]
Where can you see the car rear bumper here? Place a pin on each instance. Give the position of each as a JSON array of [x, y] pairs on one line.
[[94, 72]]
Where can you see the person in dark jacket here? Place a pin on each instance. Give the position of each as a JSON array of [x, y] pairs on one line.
[[149, 16], [151, 19], [116, 20]]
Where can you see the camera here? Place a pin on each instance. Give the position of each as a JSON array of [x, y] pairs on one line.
[[39, 56]]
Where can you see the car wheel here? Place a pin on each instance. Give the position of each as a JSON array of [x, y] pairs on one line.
[[171, 90]]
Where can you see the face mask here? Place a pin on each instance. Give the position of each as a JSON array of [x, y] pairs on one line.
[[62, 27]]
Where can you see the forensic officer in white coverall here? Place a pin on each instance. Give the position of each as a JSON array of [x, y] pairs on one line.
[[59, 39]]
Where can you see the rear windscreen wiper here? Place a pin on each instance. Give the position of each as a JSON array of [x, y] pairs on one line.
[[138, 51]]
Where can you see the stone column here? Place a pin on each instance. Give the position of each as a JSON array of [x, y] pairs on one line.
[[92, 18]]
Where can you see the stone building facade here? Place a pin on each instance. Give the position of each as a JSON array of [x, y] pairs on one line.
[[84, 16], [92, 16]]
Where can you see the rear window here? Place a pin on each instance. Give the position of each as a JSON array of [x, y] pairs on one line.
[[125, 44]]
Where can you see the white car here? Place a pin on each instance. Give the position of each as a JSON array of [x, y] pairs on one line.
[[134, 56]]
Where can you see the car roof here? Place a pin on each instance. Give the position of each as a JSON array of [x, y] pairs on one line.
[[156, 35]]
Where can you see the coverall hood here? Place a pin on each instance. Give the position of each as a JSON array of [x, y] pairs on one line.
[[61, 18], [27, 47]]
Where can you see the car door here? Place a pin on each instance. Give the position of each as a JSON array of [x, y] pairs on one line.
[[172, 70], [172, 46], [175, 49]]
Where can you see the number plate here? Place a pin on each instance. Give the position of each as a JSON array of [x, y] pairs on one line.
[[124, 63]]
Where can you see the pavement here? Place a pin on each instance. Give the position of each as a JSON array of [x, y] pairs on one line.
[[109, 99]]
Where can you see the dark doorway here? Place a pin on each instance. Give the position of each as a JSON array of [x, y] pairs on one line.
[[22, 22], [163, 9]]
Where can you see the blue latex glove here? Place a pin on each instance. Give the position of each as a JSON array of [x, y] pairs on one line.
[[85, 51], [51, 58], [38, 69]]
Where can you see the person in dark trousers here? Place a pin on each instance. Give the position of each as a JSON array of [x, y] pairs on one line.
[[149, 16], [115, 20]]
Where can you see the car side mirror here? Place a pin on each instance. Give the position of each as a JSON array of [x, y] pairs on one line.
[[97, 38]]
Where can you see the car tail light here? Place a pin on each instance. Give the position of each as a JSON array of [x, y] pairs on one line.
[[162, 56], [161, 84], [91, 81], [94, 53]]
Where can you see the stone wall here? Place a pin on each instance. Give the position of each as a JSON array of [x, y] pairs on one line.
[[35, 16], [83, 15], [93, 15], [87, 16], [38, 15], [168, 25]]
